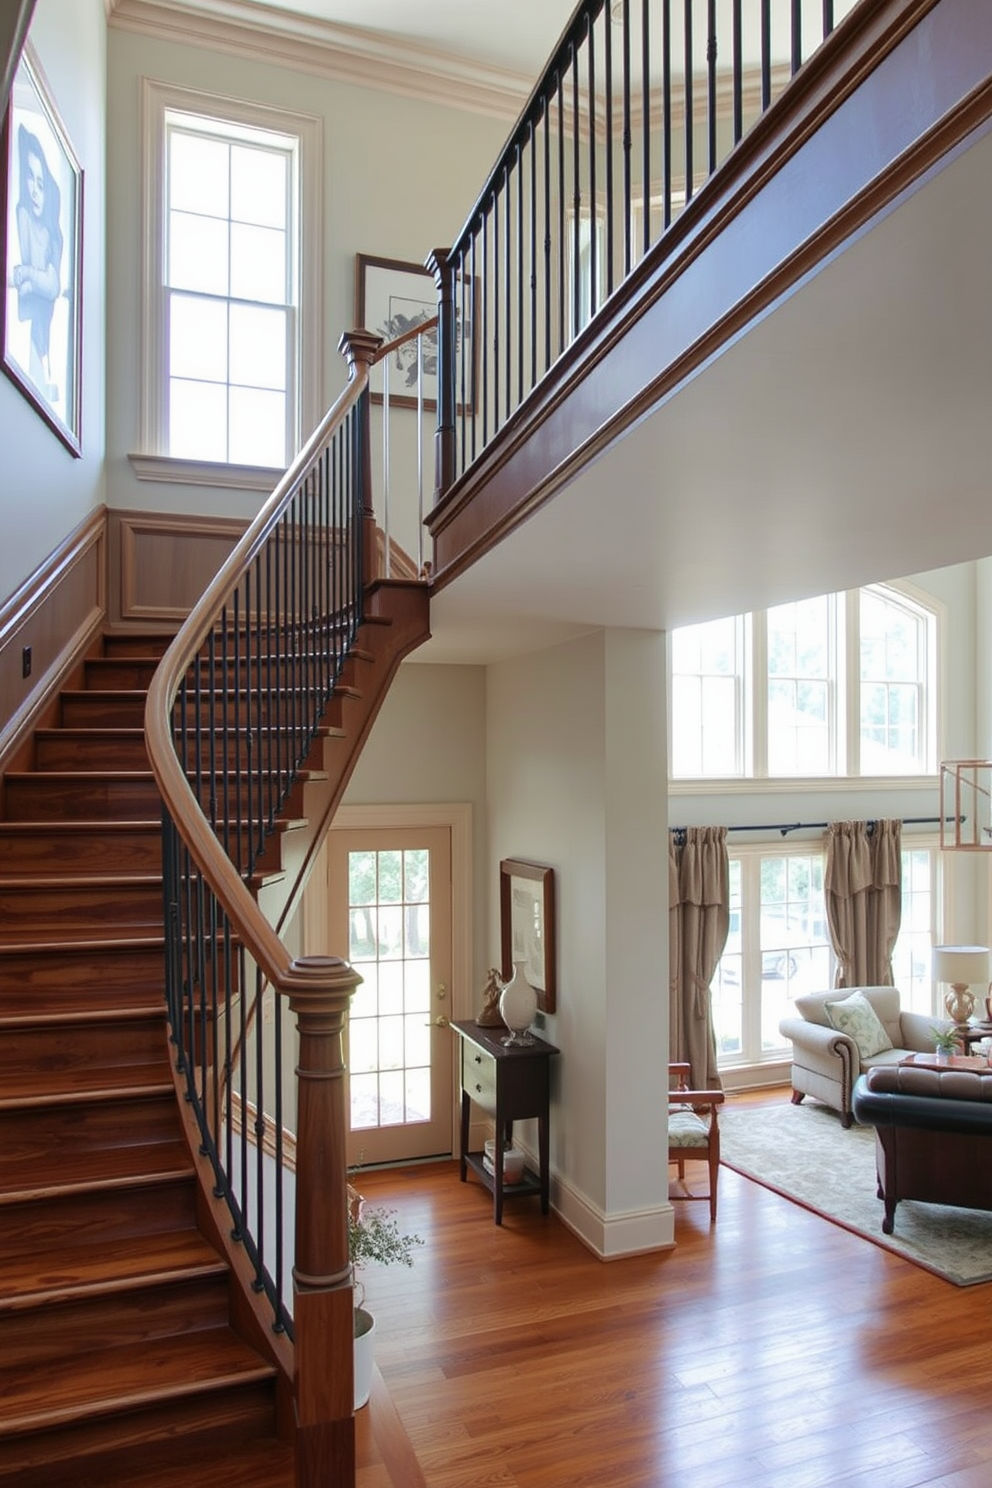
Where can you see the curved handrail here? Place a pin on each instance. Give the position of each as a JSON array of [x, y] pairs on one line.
[[262, 941], [235, 720]]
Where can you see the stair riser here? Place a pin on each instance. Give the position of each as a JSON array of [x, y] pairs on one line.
[[143, 646], [82, 1047], [102, 710], [80, 1130], [25, 910], [78, 751], [52, 849], [96, 977], [68, 1329], [119, 674], [51, 798], [103, 1217], [85, 1455]]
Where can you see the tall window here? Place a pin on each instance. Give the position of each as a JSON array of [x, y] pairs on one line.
[[837, 685], [779, 945], [231, 374]]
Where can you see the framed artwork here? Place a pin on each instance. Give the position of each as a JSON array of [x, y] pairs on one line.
[[41, 215], [392, 297], [527, 925]]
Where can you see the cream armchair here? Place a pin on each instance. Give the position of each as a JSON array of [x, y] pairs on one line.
[[826, 1059]]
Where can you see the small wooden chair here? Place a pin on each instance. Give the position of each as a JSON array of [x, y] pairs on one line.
[[692, 1137]]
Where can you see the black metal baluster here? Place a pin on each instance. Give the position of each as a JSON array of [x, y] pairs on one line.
[[797, 36], [232, 681], [689, 103], [593, 245], [576, 198], [484, 329], [646, 126], [562, 282], [628, 143], [711, 54], [828, 17], [738, 71], [608, 131], [766, 53], [666, 111], [520, 275], [547, 235], [533, 254], [471, 348], [508, 292]]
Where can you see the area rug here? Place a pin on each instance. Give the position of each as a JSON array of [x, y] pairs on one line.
[[803, 1153]]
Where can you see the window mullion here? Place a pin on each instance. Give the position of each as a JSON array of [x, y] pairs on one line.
[[759, 693]]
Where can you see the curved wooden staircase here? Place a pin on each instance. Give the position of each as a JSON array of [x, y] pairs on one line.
[[127, 1353]]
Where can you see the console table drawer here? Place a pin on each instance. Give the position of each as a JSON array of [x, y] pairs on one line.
[[479, 1077]]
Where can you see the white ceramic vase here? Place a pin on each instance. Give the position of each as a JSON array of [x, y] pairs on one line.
[[364, 1355], [517, 1006]]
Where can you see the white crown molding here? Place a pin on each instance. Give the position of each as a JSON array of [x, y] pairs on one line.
[[345, 54]]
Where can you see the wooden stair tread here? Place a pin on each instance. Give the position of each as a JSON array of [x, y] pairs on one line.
[[12, 937], [78, 827], [83, 1017], [52, 1087], [124, 881], [149, 1259], [122, 1165], [58, 1392]]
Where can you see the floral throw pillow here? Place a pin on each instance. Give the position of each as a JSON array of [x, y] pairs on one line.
[[856, 1017]]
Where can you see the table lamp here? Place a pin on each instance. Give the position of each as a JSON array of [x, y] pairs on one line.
[[962, 967]]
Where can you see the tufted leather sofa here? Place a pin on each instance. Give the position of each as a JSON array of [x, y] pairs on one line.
[[932, 1135], [825, 1063]]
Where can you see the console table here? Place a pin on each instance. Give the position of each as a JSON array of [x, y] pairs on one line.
[[509, 1084]]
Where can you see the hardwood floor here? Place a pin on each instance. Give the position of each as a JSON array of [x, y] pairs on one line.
[[774, 1349]]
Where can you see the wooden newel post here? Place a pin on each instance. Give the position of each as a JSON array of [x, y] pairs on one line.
[[323, 1306], [359, 348], [439, 265]]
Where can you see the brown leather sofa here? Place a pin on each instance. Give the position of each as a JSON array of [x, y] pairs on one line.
[[933, 1135]]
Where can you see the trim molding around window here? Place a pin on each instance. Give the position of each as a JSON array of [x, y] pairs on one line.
[[157, 99]]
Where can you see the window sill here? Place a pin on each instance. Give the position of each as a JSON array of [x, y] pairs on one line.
[[782, 785], [166, 470]]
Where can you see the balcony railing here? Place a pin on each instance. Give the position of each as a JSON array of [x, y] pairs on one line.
[[639, 104]]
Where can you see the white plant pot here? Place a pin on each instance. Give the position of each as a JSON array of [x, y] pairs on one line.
[[364, 1355]]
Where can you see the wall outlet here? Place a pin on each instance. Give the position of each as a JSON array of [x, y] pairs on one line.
[[26, 662]]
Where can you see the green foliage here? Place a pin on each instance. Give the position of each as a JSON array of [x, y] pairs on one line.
[[374, 1235], [945, 1039]]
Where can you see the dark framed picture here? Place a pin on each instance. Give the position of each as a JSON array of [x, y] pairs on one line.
[[527, 925], [41, 215], [392, 298]]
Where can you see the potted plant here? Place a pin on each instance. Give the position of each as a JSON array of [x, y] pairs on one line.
[[373, 1235], [945, 1041]]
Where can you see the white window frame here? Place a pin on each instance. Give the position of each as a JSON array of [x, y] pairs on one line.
[[750, 856], [158, 101], [845, 685]]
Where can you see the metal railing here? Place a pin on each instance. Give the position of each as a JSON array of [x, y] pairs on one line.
[[638, 105]]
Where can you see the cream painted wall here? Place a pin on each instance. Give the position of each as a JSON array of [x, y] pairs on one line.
[[44, 491], [576, 780], [428, 745], [399, 174]]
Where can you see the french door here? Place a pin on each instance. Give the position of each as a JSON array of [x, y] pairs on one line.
[[389, 910]]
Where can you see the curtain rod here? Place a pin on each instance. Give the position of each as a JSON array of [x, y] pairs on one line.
[[907, 821]]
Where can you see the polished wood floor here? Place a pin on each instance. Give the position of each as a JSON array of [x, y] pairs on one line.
[[773, 1350]]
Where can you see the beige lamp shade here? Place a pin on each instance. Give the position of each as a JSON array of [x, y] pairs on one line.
[[962, 967]]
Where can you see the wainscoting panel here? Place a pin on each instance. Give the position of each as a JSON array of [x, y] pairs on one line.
[[160, 564], [57, 613]]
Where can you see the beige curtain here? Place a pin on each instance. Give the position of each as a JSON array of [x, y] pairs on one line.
[[698, 922], [863, 892]]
